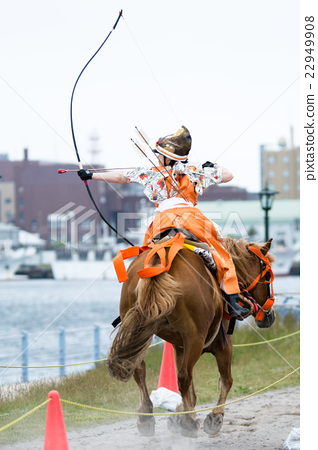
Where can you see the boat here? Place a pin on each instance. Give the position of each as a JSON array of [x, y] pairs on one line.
[[34, 271]]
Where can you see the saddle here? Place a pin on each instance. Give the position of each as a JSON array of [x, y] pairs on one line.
[[191, 242]]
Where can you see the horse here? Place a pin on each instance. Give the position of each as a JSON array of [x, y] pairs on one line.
[[185, 307]]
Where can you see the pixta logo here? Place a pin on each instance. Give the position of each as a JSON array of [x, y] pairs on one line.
[[72, 224]]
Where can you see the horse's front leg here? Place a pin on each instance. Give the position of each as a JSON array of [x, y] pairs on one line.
[[145, 424], [214, 421]]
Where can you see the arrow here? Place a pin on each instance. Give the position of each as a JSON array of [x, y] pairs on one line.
[[95, 170]]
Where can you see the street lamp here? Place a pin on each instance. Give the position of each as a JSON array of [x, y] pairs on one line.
[[266, 197]]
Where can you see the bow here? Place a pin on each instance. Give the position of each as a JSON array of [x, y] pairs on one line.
[[73, 134]]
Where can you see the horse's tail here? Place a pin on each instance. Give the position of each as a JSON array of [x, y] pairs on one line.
[[156, 298]]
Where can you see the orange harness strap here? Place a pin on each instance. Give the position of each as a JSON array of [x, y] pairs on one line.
[[118, 261], [266, 307], [176, 244], [271, 300], [267, 268]]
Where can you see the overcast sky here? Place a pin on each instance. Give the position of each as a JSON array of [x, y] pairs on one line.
[[229, 71]]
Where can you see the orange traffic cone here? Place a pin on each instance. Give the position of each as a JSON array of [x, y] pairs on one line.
[[168, 374], [55, 431]]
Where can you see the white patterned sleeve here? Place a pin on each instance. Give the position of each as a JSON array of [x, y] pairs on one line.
[[201, 177], [140, 175]]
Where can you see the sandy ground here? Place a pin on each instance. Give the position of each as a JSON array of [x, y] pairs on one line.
[[261, 422]]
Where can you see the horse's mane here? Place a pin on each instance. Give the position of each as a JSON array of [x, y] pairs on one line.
[[242, 257]]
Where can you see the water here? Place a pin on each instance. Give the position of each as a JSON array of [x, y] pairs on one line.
[[287, 293], [42, 307]]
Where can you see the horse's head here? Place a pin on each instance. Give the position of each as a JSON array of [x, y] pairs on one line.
[[253, 266]]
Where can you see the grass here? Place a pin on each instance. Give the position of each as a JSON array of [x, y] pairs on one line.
[[253, 368]]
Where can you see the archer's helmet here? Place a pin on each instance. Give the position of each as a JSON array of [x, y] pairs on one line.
[[175, 146]]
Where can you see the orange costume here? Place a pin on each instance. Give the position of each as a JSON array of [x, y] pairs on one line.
[[174, 189], [192, 219]]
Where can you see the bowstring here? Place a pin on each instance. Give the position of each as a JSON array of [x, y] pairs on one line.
[[74, 139]]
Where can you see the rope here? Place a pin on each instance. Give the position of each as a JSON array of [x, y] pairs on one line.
[[151, 346], [25, 415], [266, 342], [130, 413], [52, 367], [254, 393]]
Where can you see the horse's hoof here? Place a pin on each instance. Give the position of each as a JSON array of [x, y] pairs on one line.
[[174, 425], [146, 426], [190, 427], [213, 424]]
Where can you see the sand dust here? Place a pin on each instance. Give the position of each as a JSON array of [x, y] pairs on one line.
[[261, 422]]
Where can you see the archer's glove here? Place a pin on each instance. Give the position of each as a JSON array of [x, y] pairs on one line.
[[208, 164], [85, 174]]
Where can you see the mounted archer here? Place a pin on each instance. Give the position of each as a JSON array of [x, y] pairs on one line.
[[174, 187], [179, 299], [169, 291]]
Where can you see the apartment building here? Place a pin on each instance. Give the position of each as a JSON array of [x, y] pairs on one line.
[[280, 170]]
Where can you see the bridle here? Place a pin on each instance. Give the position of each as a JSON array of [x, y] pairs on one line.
[[265, 272]]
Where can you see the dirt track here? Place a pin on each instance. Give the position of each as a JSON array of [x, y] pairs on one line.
[[261, 422]]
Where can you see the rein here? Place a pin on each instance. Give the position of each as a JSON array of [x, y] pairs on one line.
[[246, 291]]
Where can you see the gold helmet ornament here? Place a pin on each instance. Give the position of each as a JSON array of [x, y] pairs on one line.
[[175, 146]]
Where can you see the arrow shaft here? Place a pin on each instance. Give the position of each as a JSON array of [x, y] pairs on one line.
[[106, 169]]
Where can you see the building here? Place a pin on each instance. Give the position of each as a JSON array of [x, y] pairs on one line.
[[31, 191], [245, 219], [280, 170], [9, 234], [7, 201], [225, 192], [35, 198]]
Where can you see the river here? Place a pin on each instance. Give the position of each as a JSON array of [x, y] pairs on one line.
[[42, 307]]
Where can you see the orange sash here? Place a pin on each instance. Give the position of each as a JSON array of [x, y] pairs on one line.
[[176, 244]]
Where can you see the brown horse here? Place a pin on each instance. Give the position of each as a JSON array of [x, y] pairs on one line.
[[185, 307]]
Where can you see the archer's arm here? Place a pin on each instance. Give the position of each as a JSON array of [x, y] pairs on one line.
[[110, 177], [226, 174]]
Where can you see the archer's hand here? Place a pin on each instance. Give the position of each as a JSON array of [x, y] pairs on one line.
[[85, 174], [208, 164]]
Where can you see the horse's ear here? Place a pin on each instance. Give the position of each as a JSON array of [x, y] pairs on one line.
[[266, 247]]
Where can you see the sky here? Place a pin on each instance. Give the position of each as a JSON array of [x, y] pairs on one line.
[[228, 71]]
